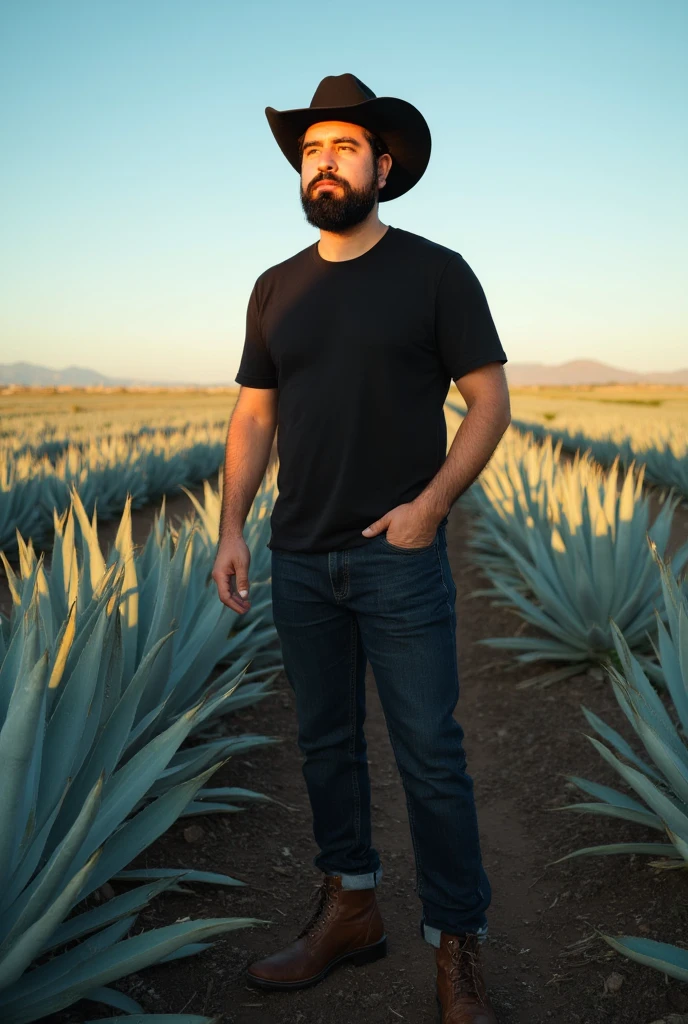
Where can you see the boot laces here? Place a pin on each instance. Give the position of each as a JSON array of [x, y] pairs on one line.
[[323, 910], [465, 967]]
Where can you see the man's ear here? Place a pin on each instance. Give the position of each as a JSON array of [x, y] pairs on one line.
[[384, 167]]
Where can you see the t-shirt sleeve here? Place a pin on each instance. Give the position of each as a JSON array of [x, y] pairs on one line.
[[256, 369], [465, 332]]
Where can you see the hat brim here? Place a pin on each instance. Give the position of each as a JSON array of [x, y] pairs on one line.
[[399, 124]]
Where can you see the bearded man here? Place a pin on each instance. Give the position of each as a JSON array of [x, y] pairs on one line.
[[350, 349]]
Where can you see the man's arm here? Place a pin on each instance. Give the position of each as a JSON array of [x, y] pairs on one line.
[[486, 395], [247, 452]]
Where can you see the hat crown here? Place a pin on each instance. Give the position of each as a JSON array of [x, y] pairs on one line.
[[341, 90]]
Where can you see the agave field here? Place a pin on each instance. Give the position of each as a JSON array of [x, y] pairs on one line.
[[106, 448], [121, 673], [644, 426]]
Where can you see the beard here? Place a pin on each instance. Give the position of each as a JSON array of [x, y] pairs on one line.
[[332, 211]]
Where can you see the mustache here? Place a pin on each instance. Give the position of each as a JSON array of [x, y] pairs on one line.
[[325, 177]]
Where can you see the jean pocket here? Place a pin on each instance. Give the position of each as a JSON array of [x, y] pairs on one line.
[[408, 551]]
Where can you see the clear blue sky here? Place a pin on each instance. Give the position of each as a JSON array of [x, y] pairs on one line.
[[143, 192]]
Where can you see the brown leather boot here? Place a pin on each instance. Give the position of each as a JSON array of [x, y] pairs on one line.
[[346, 926], [461, 990]]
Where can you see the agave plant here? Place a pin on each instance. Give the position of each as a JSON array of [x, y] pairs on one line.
[[519, 491], [660, 785], [577, 543], [77, 805], [256, 535], [663, 783], [95, 707], [149, 630], [668, 465], [19, 503], [166, 586]]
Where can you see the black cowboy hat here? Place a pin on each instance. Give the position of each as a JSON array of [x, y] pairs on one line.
[[402, 127]]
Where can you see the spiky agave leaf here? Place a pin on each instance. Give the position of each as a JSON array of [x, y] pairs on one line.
[[561, 544], [662, 783], [45, 990], [163, 591], [99, 843], [75, 812], [668, 959]]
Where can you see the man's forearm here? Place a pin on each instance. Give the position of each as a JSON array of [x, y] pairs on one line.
[[475, 441], [247, 452]]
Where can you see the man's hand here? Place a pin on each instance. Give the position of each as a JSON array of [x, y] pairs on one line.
[[230, 573], [413, 525]]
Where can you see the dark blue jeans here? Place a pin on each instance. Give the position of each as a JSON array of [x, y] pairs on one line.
[[394, 607]]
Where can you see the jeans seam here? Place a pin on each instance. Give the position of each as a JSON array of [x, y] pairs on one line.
[[412, 822], [352, 725], [449, 603], [452, 626]]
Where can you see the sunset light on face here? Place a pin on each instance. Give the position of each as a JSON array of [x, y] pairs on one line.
[[339, 180]]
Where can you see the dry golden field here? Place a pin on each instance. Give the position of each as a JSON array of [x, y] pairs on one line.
[[81, 411], [645, 413]]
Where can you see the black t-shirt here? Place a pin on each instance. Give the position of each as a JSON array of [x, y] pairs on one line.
[[362, 352]]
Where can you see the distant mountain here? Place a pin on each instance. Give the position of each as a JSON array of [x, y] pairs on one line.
[[578, 371], [33, 375], [585, 371]]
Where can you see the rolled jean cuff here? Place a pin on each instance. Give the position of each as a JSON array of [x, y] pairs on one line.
[[369, 880], [432, 935]]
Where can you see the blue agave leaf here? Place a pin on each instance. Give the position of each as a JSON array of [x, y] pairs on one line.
[[17, 741], [125, 957], [662, 956]]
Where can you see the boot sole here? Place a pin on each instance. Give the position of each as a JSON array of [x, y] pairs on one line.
[[356, 957]]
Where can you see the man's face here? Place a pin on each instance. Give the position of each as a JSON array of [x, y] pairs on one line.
[[338, 154]]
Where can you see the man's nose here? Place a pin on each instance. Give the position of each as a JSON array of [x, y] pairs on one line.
[[327, 160]]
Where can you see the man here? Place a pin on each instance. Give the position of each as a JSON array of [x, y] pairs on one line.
[[350, 349]]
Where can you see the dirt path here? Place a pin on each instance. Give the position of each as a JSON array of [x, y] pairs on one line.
[[543, 962]]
